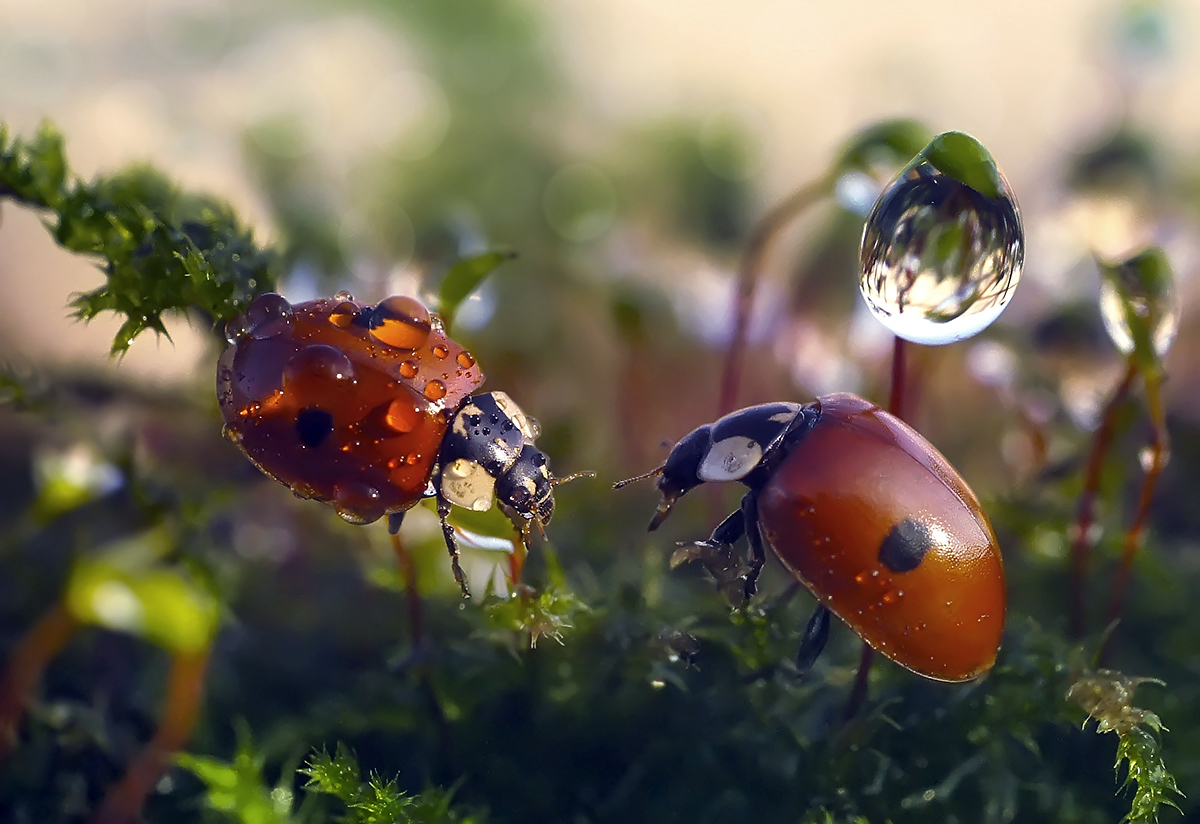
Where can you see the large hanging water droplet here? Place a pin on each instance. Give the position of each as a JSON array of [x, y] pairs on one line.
[[1139, 304], [943, 248]]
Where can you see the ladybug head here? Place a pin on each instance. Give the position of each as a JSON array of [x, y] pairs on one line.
[[526, 489], [680, 472]]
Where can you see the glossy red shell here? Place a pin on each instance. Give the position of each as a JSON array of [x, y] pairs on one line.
[[336, 410], [833, 502]]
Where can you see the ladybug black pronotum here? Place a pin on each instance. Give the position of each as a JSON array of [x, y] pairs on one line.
[[369, 409], [866, 514]]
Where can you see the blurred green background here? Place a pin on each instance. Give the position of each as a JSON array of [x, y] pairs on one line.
[[624, 151]]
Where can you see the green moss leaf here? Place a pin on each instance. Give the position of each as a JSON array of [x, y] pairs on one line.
[[1107, 696], [463, 278], [966, 160]]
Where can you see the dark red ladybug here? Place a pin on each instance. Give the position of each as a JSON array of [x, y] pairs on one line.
[[866, 514], [369, 408]]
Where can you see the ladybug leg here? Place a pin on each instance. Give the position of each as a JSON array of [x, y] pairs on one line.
[[718, 557], [443, 509], [813, 642], [758, 555]]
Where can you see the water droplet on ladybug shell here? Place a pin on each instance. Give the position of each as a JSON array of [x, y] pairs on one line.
[[465, 359], [319, 364], [943, 248], [403, 415], [440, 351], [435, 390], [409, 369], [401, 322], [357, 503], [344, 314], [268, 316]]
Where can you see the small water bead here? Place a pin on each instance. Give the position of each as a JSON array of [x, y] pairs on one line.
[[465, 359], [401, 322], [1138, 303], [343, 295], [943, 248], [435, 390], [409, 369], [440, 352]]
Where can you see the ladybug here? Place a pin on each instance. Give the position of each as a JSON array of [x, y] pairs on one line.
[[369, 409], [866, 514]]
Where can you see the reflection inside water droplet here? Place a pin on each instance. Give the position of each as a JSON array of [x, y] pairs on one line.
[[940, 260], [401, 322]]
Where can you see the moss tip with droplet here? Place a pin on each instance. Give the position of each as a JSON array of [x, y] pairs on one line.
[[1149, 269], [965, 159]]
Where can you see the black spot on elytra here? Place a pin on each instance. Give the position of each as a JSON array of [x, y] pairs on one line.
[[905, 546], [313, 426]]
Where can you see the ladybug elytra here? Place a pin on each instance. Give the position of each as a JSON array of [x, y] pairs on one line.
[[866, 514]]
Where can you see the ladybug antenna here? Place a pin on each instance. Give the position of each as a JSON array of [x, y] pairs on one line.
[[556, 481], [652, 473]]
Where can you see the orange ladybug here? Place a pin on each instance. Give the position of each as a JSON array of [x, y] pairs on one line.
[[866, 514], [369, 409]]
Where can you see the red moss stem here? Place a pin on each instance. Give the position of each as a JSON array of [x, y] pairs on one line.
[[758, 247], [1086, 511], [898, 397], [858, 693], [408, 571], [25, 666], [185, 689], [1134, 537]]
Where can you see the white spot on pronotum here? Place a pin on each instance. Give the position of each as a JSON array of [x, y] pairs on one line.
[[730, 460]]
